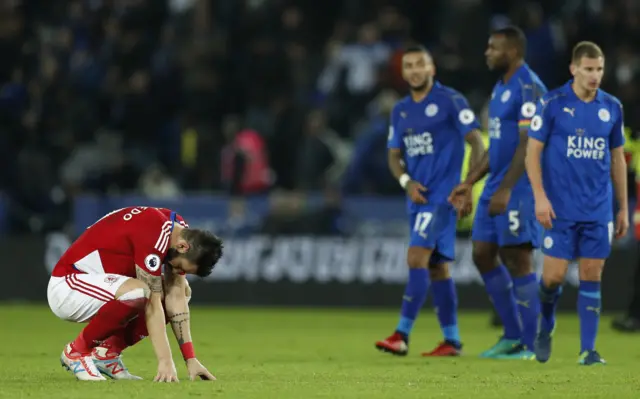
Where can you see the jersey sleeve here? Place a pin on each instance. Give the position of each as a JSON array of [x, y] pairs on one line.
[[464, 118], [394, 140], [150, 240], [541, 121], [616, 139], [531, 94]]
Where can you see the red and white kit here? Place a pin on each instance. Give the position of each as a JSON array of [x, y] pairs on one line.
[[105, 256]]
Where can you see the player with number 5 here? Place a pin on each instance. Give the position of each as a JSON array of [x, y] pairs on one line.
[[426, 150], [505, 230]]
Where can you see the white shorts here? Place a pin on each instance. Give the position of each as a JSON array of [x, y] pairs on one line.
[[78, 297]]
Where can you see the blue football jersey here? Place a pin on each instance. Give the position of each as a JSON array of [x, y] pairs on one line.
[[576, 161], [511, 108], [431, 135]]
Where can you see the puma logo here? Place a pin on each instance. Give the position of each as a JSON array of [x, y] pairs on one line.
[[570, 111], [593, 309]]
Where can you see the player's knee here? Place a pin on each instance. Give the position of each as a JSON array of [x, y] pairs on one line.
[[518, 268], [484, 262], [518, 260], [439, 272], [553, 276], [134, 292], [418, 258], [187, 289], [591, 269]]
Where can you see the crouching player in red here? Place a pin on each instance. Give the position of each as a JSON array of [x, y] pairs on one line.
[[112, 278]]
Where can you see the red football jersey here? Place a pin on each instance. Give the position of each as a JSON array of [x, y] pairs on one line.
[[121, 240]]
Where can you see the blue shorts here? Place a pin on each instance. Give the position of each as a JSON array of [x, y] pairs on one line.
[[572, 240], [434, 227], [517, 226]]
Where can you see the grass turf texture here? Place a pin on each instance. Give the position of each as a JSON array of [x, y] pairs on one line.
[[275, 353]]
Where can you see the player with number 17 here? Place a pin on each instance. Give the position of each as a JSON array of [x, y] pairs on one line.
[[426, 150]]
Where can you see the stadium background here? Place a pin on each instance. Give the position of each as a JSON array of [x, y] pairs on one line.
[[106, 104]]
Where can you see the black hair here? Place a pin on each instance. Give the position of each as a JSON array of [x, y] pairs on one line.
[[205, 250], [515, 37], [415, 48]]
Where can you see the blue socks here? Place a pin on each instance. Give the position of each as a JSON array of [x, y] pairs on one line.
[[548, 304], [414, 296], [500, 289], [528, 300], [445, 300], [589, 304]]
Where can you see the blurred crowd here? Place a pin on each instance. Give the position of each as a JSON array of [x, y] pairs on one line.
[[249, 96]]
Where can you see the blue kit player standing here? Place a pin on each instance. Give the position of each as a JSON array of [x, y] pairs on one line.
[[575, 151], [505, 227], [426, 150]]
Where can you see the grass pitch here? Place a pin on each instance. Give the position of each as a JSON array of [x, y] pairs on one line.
[[275, 353]]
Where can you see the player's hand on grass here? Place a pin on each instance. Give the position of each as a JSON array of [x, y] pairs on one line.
[[166, 372], [415, 190], [196, 369], [544, 212], [622, 223], [499, 201]]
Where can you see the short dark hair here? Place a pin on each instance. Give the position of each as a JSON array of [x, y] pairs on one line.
[[415, 48], [515, 37], [205, 250], [586, 49]]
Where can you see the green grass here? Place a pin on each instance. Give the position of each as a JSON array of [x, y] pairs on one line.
[[269, 353]]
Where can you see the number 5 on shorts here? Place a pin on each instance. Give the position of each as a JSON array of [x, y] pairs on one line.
[[422, 223], [514, 221]]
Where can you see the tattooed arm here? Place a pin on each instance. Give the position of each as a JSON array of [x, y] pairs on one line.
[[154, 316], [176, 288], [177, 307]]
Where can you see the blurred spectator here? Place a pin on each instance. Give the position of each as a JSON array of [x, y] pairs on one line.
[[245, 162], [156, 184], [368, 171], [94, 92], [323, 154]]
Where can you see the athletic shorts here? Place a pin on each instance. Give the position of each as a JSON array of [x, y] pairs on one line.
[[78, 297], [434, 227], [516, 226], [572, 240]]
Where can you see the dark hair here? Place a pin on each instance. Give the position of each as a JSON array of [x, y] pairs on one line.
[[586, 49], [515, 37], [205, 250], [415, 48]]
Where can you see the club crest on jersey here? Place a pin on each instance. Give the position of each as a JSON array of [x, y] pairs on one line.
[[431, 110], [536, 123], [152, 262], [466, 116], [111, 279], [528, 109], [604, 115], [505, 96]]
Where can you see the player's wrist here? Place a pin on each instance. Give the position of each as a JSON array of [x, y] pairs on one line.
[[187, 351], [404, 180]]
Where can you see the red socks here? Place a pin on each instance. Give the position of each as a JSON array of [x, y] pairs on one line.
[[110, 318]]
